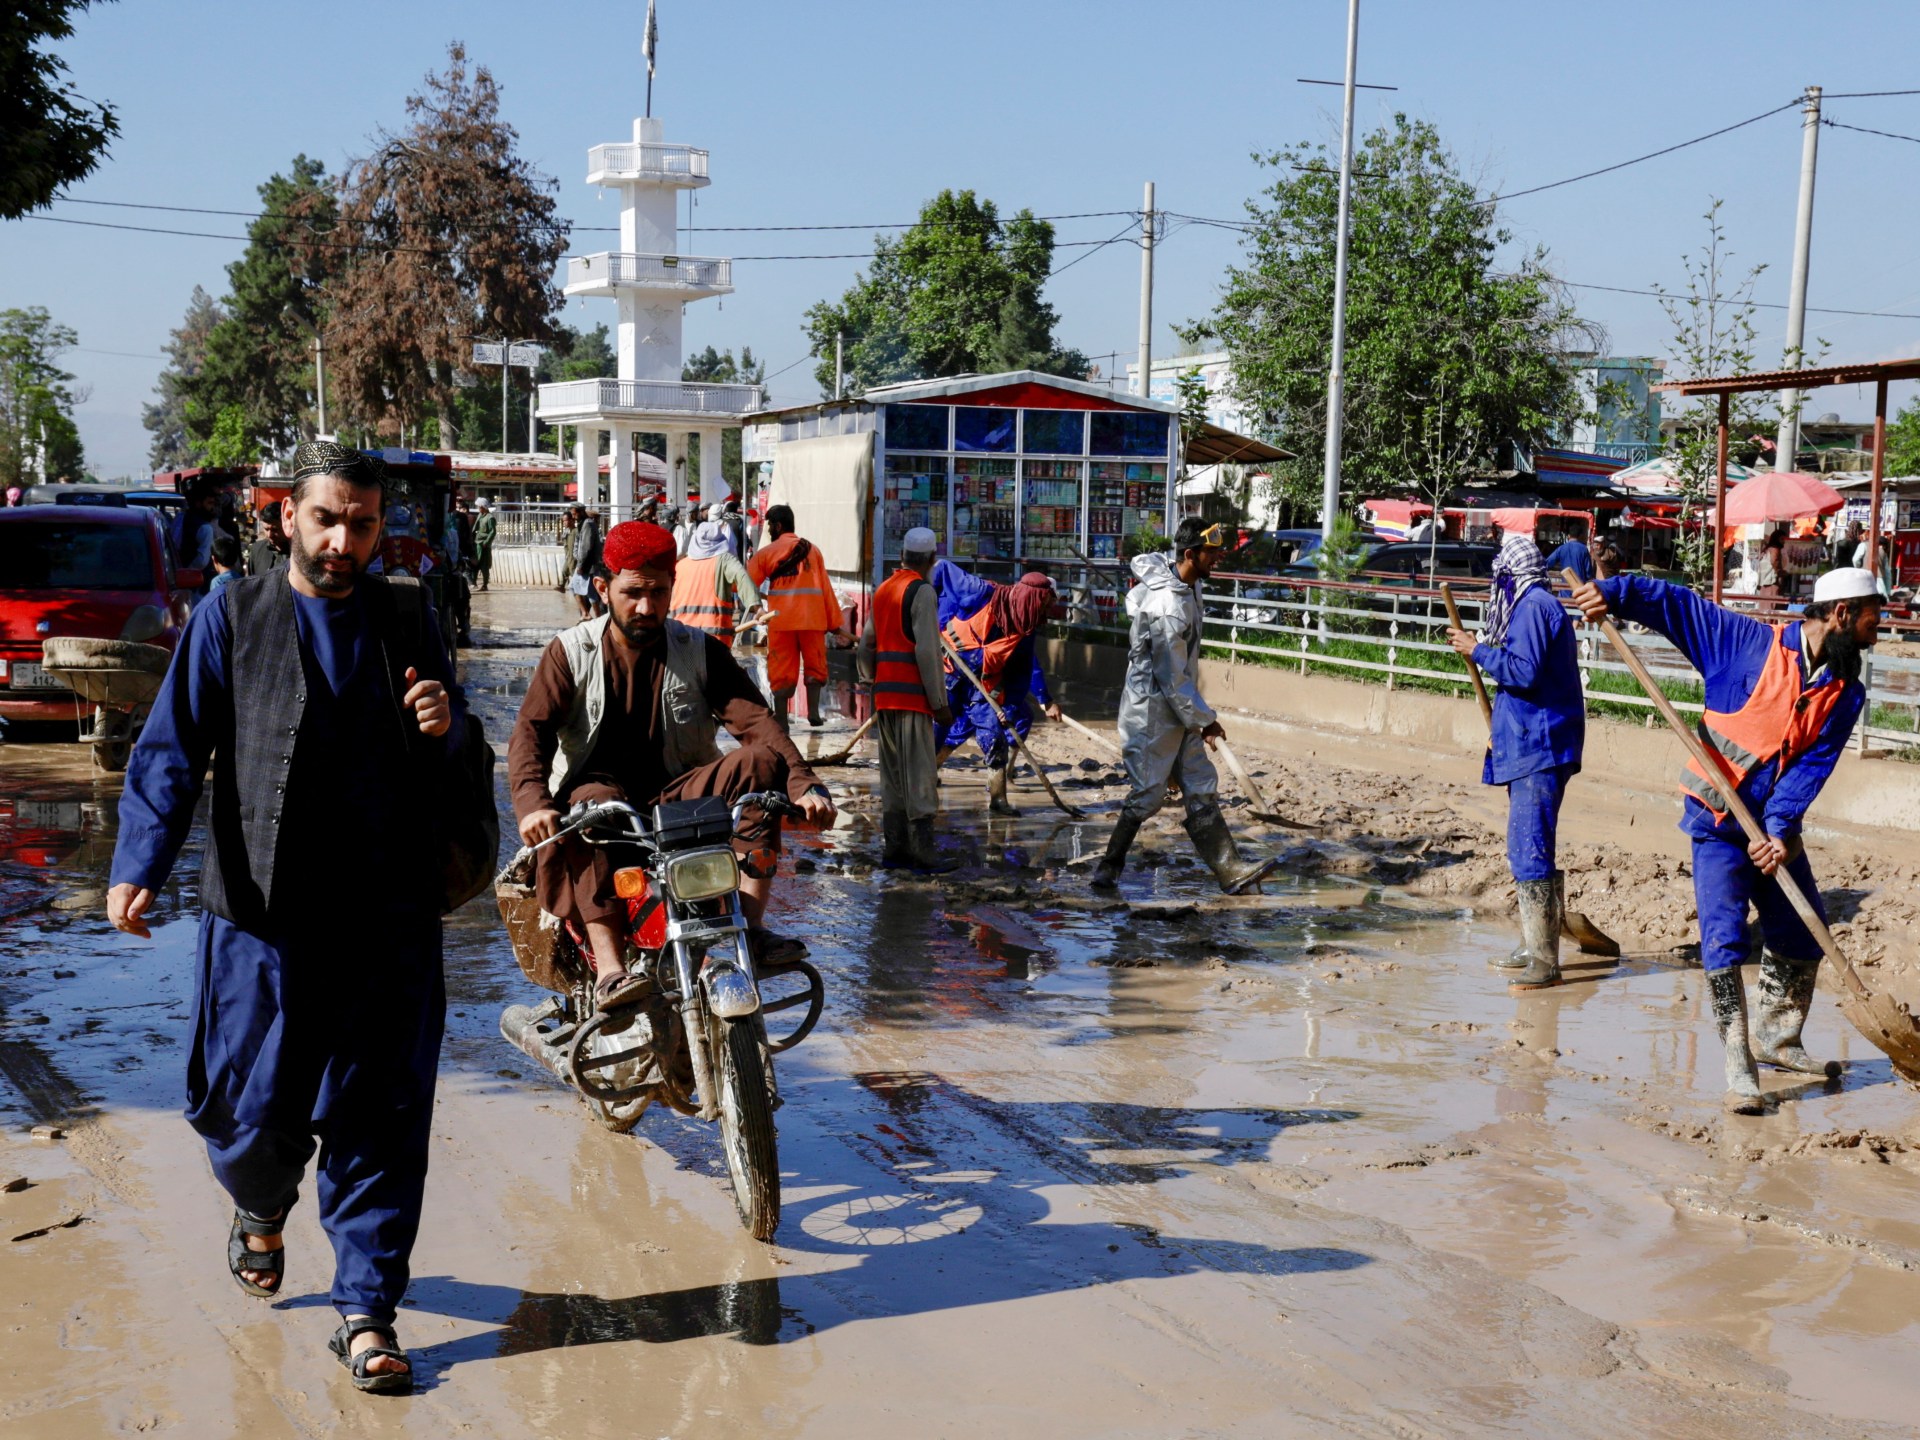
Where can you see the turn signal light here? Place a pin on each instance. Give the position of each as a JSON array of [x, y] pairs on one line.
[[631, 883]]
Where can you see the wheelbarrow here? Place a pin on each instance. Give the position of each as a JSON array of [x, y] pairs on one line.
[[119, 677]]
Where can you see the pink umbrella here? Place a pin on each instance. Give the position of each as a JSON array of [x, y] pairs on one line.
[[1780, 495]]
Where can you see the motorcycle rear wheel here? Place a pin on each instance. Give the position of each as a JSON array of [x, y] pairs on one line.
[[746, 1123]]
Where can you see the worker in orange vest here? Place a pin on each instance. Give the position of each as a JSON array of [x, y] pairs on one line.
[[802, 611], [899, 656], [711, 588]]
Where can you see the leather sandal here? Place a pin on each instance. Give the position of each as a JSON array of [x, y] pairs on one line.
[[269, 1262], [396, 1382], [622, 987]]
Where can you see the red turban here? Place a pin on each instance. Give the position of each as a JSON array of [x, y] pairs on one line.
[[1021, 609], [636, 545]]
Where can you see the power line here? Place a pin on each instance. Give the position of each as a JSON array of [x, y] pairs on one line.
[[1650, 155], [1757, 304], [1865, 94], [1863, 130]]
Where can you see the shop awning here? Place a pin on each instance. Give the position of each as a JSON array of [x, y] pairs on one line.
[[1217, 445]]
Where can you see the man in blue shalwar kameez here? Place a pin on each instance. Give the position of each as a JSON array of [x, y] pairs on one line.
[[1539, 730], [322, 698]]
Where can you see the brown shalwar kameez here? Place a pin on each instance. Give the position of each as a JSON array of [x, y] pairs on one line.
[[574, 880]]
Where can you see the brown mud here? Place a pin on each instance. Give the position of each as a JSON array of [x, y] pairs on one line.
[[1054, 1165]]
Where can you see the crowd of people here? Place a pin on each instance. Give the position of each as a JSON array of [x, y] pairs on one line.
[[290, 677]]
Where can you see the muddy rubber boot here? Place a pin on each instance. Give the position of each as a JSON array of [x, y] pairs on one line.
[[1106, 874], [1539, 936], [1782, 999], [896, 847], [783, 708], [926, 857], [1207, 828], [997, 801], [1730, 1018], [814, 717]]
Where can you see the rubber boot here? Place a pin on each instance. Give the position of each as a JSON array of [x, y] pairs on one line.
[[1782, 999], [997, 801], [1207, 828], [896, 847], [1106, 874], [783, 708], [1730, 1018], [1539, 936], [814, 717], [926, 857]]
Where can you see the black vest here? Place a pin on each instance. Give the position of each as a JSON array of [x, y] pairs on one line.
[[272, 736]]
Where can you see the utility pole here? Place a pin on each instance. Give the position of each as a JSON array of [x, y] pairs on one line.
[[1336, 377], [839, 367], [1786, 443], [506, 350], [320, 383], [533, 415], [1146, 295]]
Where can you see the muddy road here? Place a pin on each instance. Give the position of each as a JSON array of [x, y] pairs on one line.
[[1052, 1166]]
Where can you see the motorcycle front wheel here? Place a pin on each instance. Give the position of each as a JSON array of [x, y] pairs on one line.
[[746, 1122]]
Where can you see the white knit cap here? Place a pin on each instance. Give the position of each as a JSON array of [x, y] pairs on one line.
[[1849, 582], [919, 541]]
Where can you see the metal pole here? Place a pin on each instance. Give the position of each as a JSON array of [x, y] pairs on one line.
[[506, 355], [320, 381], [1720, 500], [533, 413], [839, 364], [1146, 296], [1879, 468], [1786, 443], [1330, 484]]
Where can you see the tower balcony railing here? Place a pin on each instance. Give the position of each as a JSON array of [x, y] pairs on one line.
[[609, 164], [674, 272], [565, 399]]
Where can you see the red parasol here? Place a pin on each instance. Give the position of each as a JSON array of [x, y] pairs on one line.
[[1780, 495]]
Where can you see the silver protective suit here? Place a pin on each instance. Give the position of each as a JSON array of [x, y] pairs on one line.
[[1161, 711]]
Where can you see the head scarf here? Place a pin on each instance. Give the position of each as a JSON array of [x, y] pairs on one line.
[[324, 457], [1516, 569], [636, 545], [708, 540], [1021, 608]]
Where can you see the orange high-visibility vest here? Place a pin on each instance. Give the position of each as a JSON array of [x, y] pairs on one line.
[[1780, 722], [968, 632], [702, 598], [803, 600], [896, 668]]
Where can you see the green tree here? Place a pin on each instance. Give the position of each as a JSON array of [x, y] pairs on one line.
[[718, 367], [1903, 441], [456, 237], [50, 135], [1713, 334], [38, 439], [1435, 318], [172, 448], [229, 442], [959, 292]]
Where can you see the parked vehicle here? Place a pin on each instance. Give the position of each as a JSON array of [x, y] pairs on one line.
[[1412, 563], [97, 584], [1269, 552]]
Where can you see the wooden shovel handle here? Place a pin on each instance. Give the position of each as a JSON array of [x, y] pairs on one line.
[[1796, 897], [1093, 735], [1473, 670], [1001, 715]]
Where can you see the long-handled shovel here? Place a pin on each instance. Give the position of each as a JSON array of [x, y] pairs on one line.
[[1093, 735], [1262, 810], [1001, 715], [840, 757], [1582, 931], [1858, 1003]]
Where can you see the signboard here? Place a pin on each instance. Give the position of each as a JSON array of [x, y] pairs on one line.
[[493, 352]]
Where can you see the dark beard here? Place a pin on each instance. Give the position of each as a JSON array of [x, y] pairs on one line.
[[1840, 653], [316, 573], [641, 637]]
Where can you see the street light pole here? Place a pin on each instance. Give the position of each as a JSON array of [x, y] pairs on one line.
[[1146, 295], [320, 382], [1786, 441], [1330, 484]]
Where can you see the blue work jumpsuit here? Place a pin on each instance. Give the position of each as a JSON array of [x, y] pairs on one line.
[[1539, 727]]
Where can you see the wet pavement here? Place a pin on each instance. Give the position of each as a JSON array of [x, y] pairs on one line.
[[1053, 1166]]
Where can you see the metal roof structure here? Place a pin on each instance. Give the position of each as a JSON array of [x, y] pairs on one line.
[[1880, 371]]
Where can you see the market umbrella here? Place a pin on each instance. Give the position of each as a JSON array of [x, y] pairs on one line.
[[1780, 495]]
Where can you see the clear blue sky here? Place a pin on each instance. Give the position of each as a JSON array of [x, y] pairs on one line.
[[836, 112]]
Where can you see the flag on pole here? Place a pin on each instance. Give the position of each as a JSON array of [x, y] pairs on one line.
[[652, 40]]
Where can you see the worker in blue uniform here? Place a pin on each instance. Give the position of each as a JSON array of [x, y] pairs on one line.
[[994, 628], [322, 699], [1781, 699], [1526, 645]]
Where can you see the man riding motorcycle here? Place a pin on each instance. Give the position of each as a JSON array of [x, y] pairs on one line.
[[625, 707]]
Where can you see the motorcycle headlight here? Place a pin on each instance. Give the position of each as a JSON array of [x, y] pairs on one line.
[[702, 875], [144, 623]]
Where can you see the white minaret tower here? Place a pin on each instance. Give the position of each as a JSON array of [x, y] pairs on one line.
[[652, 283]]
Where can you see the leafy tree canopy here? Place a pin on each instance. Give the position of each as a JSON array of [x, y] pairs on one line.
[[1450, 350], [957, 293], [50, 136], [1903, 441], [38, 439], [172, 448]]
